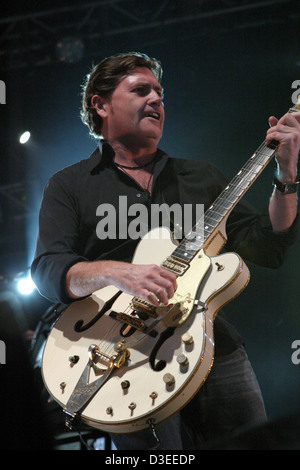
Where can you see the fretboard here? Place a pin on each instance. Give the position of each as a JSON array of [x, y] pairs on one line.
[[225, 202]]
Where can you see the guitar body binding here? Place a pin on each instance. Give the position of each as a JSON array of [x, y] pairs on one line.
[[168, 358]]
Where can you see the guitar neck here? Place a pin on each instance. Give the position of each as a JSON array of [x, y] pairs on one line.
[[225, 202]]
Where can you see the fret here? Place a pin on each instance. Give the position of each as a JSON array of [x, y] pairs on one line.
[[184, 254], [224, 203], [215, 214], [228, 198], [210, 224], [253, 171]]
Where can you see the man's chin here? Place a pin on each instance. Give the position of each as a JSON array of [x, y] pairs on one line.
[[146, 139]]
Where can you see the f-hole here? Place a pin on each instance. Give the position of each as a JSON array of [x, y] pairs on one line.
[[79, 325], [160, 365]]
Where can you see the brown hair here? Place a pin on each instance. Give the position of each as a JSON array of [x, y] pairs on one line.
[[105, 77]]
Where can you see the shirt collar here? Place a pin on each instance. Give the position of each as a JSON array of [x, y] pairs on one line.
[[105, 154]]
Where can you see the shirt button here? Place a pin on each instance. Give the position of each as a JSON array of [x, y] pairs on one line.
[[138, 195]]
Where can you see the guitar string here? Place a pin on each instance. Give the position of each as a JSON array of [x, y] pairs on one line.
[[108, 348], [260, 160], [115, 327], [105, 344]]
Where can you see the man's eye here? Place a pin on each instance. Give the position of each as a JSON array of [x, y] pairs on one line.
[[144, 91], [141, 91]]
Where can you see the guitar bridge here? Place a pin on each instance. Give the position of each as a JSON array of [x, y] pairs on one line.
[[132, 321]]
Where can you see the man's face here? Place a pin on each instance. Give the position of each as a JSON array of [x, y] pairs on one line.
[[134, 115]]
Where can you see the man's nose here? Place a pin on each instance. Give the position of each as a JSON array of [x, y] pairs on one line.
[[155, 97]]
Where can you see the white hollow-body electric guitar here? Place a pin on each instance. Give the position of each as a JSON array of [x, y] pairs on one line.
[[115, 362]]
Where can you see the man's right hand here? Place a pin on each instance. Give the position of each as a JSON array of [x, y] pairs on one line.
[[151, 282]]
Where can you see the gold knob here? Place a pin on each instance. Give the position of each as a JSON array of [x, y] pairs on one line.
[[182, 360], [169, 379], [187, 338], [120, 346]]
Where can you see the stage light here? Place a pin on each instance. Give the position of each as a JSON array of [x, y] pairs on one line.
[[26, 286], [70, 50], [24, 137]]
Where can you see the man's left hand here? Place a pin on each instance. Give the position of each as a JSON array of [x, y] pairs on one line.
[[286, 131]]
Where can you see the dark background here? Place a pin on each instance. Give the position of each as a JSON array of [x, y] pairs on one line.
[[228, 66]]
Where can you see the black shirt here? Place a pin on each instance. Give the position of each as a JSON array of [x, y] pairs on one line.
[[68, 221]]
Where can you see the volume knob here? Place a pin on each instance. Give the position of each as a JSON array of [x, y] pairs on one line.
[[169, 379], [187, 338], [182, 360]]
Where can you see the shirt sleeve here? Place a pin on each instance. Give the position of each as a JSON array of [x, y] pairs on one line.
[[57, 240], [250, 234]]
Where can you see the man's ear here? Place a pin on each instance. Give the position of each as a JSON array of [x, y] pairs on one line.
[[99, 104]]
